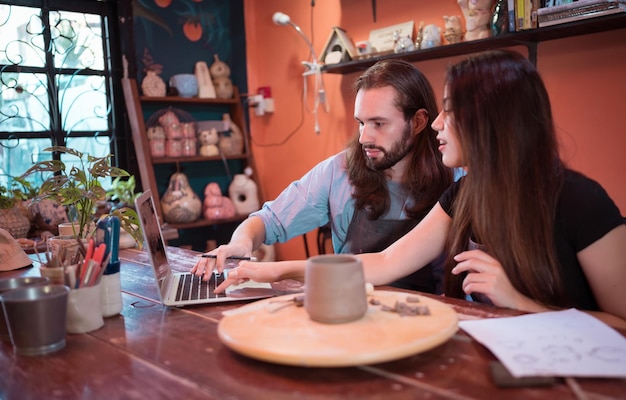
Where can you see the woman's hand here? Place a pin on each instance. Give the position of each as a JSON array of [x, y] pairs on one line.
[[485, 275], [206, 265], [249, 270]]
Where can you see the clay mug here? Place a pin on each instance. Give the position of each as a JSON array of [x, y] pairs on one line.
[[334, 288]]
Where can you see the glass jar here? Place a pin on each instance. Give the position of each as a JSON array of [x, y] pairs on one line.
[[173, 147]]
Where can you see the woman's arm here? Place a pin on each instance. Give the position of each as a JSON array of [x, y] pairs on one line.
[[414, 250], [411, 252], [604, 265]]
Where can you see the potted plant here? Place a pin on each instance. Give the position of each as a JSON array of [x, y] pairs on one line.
[[122, 192], [81, 189], [12, 219]]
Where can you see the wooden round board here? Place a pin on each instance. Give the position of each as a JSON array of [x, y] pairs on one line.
[[287, 335]]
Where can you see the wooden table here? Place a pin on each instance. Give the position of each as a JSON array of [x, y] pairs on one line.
[[154, 352]]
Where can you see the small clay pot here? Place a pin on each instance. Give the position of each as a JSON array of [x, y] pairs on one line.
[[334, 288]]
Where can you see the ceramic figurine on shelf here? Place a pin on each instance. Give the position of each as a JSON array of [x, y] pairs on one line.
[[477, 15], [215, 205], [152, 84], [180, 203], [243, 193], [453, 31], [431, 36], [220, 72], [171, 124], [206, 90], [208, 142], [231, 144], [500, 18]]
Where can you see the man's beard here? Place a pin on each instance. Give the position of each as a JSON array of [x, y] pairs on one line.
[[391, 157]]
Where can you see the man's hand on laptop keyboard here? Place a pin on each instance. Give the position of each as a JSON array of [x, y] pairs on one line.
[[217, 259]]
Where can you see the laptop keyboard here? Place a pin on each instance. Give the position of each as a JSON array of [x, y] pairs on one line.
[[192, 287]]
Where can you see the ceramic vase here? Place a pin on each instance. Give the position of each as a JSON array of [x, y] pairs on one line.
[[243, 193], [231, 144], [180, 203], [153, 85]]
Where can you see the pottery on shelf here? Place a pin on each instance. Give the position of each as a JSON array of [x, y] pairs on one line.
[[215, 205], [478, 14], [231, 144], [243, 193], [179, 203], [206, 90], [185, 84], [153, 85], [220, 72]]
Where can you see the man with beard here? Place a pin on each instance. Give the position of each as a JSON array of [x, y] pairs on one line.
[[372, 193]]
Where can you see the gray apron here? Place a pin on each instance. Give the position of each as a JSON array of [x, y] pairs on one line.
[[367, 236]]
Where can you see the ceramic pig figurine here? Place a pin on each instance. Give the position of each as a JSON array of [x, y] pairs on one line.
[[217, 206]]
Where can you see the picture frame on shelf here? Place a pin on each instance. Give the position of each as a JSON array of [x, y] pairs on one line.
[[383, 39]]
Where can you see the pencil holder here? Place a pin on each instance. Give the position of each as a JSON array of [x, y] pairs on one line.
[[84, 313], [111, 290]]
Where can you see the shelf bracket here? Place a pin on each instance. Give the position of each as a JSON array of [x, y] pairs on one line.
[[532, 52]]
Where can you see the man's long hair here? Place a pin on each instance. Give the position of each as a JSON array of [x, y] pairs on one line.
[[427, 178]]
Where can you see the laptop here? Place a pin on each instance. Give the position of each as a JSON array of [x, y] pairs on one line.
[[180, 289]]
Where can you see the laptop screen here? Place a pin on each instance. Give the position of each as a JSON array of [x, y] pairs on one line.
[[153, 237]]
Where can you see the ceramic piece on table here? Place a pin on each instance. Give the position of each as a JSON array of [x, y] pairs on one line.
[[334, 288], [180, 203]]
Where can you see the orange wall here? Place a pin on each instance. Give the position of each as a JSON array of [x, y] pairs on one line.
[[584, 76]]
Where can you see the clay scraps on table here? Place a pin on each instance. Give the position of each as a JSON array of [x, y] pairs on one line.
[[404, 309]]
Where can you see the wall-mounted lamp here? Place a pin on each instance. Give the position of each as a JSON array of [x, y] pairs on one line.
[[311, 67]]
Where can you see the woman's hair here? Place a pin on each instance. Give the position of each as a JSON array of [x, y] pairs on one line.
[[428, 177], [508, 198]]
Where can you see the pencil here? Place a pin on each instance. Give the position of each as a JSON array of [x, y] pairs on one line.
[[239, 258]]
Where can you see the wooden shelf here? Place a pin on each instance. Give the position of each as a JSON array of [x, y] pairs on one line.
[[187, 100], [527, 38], [174, 160], [146, 163], [207, 222]]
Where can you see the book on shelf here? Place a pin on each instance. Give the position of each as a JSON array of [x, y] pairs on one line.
[[585, 9], [581, 15], [511, 14], [572, 5], [519, 15]]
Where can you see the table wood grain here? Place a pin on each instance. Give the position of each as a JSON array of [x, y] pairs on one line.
[[155, 352]]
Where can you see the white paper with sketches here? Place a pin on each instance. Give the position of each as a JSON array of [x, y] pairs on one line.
[[566, 343]]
